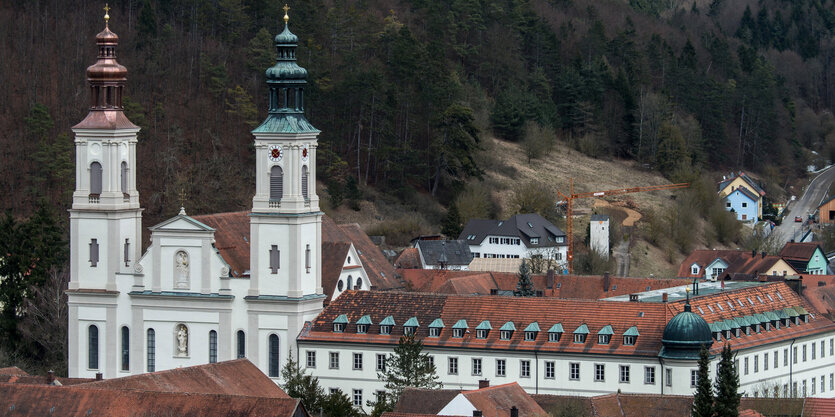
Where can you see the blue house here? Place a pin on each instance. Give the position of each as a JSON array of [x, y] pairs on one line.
[[744, 203]]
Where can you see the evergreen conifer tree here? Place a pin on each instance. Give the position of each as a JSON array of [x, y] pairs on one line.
[[407, 367], [703, 400], [524, 288], [727, 386], [452, 222]]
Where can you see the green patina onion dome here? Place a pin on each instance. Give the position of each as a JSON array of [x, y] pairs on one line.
[[285, 67], [684, 335]]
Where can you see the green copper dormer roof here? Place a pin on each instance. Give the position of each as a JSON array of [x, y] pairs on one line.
[[388, 321], [583, 329], [460, 324], [751, 320], [412, 322], [606, 330], [790, 312], [436, 323], [508, 326], [731, 324], [366, 319], [740, 322], [533, 327], [632, 331], [801, 311], [761, 318], [484, 325], [341, 319], [781, 314], [771, 316], [557, 328]]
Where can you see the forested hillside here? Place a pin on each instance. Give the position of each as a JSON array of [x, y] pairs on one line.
[[403, 91]]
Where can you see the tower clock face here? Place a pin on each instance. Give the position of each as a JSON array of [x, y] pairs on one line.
[[275, 153], [305, 154]]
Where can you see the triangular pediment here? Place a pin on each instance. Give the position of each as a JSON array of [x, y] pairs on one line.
[[182, 222]]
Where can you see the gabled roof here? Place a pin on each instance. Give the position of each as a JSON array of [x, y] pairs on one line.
[[748, 180], [751, 267], [819, 292], [801, 251], [231, 239], [182, 222], [456, 252], [380, 271], [746, 192], [421, 400], [235, 377], [523, 226], [408, 259], [825, 202], [704, 257], [503, 397]]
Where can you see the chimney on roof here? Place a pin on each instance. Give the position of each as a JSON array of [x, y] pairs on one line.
[[476, 413], [606, 281], [663, 297], [549, 279], [633, 297], [50, 377], [514, 412], [763, 253], [99, 376], [494, 291], [483, 383]]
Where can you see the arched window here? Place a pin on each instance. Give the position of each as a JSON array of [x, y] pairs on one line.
[[350, 282], [212, 346], [124, 178], [152, 350], [276, 183], [93, 347], [339, 285], [304, 182], [359, 283], [125, 348], [273, 359], [95, 178], [241, 344]]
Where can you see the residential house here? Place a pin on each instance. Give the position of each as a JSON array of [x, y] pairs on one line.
[[487, 400], [805, 257], [744, 203], [734, 264], [444, 254], [740, 180], [521, 236]]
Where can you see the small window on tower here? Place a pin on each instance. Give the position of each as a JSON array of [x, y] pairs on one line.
[[95, 179], [304, 183], [307, 260], [127, 252], [94, 252], [275, 259], [276, 183], [125, 178]]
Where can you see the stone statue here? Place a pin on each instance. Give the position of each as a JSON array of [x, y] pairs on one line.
[[182, 340], [181, 269]]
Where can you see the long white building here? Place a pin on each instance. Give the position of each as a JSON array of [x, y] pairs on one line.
[[577, 347]]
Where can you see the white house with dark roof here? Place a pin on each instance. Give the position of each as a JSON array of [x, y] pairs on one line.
[[521, 236], [444, 254]]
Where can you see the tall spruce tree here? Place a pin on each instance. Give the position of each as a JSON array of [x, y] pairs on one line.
[[727, 386], [407, 367], [524, 288], [703, 401]]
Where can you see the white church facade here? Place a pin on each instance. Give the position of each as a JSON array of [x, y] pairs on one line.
[[180, 303]]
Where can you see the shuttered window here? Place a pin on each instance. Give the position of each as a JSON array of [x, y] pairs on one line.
[[95, 178], [94, 252], [93, 347], [273, 352], [276, 183], [275, 259], [124, 177], [304, 182]]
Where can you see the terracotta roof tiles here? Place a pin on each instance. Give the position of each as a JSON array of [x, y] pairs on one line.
[[801, 251], [422, 400], [408, 259], [503, 397]]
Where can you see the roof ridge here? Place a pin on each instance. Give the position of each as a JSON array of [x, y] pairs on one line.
[[490, 387]]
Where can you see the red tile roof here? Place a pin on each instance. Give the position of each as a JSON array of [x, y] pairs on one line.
[[750, 413], [819, 291], [422, 400], [235, 377], [44, 400], [380, 271], [231, 238], [800, 251], [408, 259], [13, 371], [819, 407], [400, 414], [752, 267], [497, 400], [649, 319], [704, 257]]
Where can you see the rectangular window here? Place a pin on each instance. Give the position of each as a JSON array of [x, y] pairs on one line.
[[668, 377], [525, 368], [333, 363], [603, 339], [823, 349], [814, 386], [694, 377], [434, 332], [385, 329], [549, 370], [275, 259], [357, 361], [814, 350], [776, 359], [501, 367], [765, 361], [457, 333], [624, 374], [579, 338], [127, 252], [362, 328], [599, 372], [832, 381], [381, 362], [311, 358], [804, 352], [794, 355], [831, 347], [786, 357], [357, 398], [823, 384], [554, 337], [212, 346], [649, 375], [476, 366], [530, 336], [152, 351], [481, 333], [745, 366], [453, 366], [505, 334], [756, 363], [629, 340], [574, 371], [94, 252]]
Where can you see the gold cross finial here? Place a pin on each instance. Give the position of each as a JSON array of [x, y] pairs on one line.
[[286, 17], [106, 15]]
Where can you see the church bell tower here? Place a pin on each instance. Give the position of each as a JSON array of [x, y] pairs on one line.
[[286, 223]]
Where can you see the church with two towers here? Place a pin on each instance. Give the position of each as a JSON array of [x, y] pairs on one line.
[[187, 300]]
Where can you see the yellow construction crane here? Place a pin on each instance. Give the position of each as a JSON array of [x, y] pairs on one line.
[[569, 199]]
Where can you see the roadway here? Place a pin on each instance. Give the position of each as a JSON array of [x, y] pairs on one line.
[[813, 196]]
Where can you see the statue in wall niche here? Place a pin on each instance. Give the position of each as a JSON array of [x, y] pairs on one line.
[[181, 270], [182, 340]]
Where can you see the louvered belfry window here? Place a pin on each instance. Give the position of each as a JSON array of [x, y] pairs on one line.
[[276, 183], [124, 177], [304, 182], [95, 178]]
